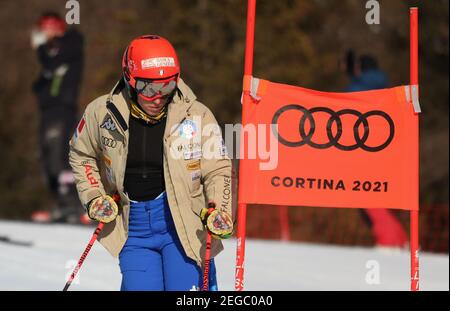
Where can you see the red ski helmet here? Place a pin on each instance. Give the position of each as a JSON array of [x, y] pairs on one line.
[[51, 22], [150, 57]]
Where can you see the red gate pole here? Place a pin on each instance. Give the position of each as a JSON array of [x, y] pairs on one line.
[[284, 223], [414, 214], [246, 101]]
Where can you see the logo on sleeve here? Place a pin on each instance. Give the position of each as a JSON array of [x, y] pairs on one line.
[[79, 128]]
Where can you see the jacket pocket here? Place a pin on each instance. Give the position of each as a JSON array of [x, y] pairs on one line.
[[198, 201], [197, 192], [135, 260]]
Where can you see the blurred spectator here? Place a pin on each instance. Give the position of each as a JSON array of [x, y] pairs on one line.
[[60, 53], [365, 75]]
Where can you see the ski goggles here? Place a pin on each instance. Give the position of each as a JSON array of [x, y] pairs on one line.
[[153, 88]]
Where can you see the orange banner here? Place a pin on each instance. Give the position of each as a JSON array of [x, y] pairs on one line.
[[349, 150]]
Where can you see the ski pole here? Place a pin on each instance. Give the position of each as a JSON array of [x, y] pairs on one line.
[[84, 255], [207, 262]]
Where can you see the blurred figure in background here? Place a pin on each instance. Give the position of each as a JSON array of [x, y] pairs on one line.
[[365, 75], [60, 53]]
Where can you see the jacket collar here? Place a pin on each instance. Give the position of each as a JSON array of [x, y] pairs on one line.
[[178, 109], [119, 106]]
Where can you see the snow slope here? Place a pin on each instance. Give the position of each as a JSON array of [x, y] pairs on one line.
[[269, 265]]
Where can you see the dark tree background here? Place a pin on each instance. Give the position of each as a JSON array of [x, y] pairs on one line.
[[297, 42]]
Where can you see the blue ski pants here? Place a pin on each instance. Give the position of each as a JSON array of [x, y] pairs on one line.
[[153, 258]]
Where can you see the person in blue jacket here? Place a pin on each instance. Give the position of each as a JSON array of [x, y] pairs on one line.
[[366, 75]]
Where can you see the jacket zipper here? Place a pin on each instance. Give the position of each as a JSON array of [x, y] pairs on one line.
[[144, 173], [121, 174]]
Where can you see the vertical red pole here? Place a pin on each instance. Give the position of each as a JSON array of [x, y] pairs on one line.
[[246, 101], [284, 223], [414, 216]]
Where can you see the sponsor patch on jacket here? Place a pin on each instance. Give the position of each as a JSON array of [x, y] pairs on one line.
[[108, 124], [223, 149], [226, 194], [89, 176], [188, 129], [79, 128], [189, 146], [109, 171], [192, 166], [107, 160], [195, 175], [194, 154], [109, 142], [195, 179]]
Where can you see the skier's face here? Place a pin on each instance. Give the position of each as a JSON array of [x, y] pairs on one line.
[[154, 94], [152, 107]]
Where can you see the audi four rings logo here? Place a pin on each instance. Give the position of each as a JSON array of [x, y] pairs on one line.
[[109, 142], [333, 138]]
